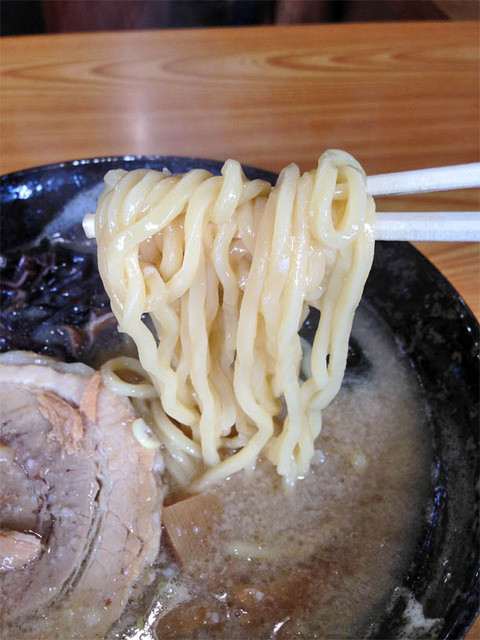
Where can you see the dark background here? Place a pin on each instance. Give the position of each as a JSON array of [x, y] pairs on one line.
[[20, 17]]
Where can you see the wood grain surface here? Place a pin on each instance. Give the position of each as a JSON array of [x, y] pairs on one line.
[[397, 96]]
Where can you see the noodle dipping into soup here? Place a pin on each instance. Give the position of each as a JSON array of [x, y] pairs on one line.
[[247, 559], [296, 468]]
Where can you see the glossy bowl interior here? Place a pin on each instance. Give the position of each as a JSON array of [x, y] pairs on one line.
[[431, 325]]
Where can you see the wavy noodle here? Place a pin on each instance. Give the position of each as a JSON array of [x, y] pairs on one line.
[[226, 268]]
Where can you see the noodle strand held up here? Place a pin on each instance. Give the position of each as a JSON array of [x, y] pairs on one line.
[[226, 269]]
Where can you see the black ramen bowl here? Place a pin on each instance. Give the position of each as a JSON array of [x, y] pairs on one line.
[[432, 327]]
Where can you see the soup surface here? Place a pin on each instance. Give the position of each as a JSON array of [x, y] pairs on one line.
[[316, 561]]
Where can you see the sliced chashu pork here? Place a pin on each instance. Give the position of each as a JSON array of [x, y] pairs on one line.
[[73, 477]]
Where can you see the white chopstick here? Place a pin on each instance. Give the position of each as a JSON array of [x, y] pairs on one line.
[[439, 226], [455, 226], [460, 176]]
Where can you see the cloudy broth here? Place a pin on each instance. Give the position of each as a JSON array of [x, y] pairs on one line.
[[317, 561]]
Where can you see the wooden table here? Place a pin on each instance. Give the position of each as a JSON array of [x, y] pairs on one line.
[[397, 96]]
